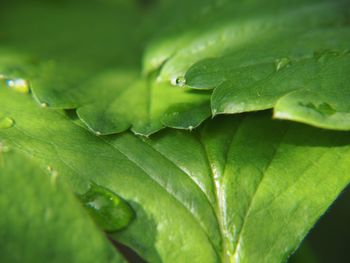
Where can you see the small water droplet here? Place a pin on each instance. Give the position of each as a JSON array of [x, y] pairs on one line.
[[191, 128], [98, 133], [44, 105], [6, 122], [19, 85], [109, 211], [324, 55], [282, 63], [324, 108], [179, 81]]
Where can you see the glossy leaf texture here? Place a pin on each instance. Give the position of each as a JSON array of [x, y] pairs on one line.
[[292, 56], [41, 219], [239, 189], [313, 89], [224, 27], [86, 57]]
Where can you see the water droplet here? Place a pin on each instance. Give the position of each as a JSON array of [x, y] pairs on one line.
[[324, 108], [191, 128], [6, 122], [44, 105], [19, 85], [282, 63], [109, 211], [179, 81], [324, 55], [98, 133]]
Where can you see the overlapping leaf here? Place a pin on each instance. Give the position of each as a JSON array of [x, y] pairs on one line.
[[92, 64], [253, 53], [313, 89], [240, 189], [229, 26], [86, 56], [41, 219]]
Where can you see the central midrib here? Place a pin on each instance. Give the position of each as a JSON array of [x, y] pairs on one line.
[[220, 209]]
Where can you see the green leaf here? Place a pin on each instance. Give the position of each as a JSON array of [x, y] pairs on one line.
[[87, 58], [41, 219], [257, 60], [263, 59], [144, 106], [228, 27], [313, 89], [239, 189]]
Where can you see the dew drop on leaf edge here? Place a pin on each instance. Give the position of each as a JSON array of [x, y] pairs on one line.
[[110, 212], [179, 81]]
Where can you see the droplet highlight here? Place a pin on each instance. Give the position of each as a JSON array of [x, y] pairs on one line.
[[18, 85], [6, 122], [282, 63], [110, 212]]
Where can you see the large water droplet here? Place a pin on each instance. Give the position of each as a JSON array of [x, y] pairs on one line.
[[6, 122], [109, 211], [282, 63], [19, 85]]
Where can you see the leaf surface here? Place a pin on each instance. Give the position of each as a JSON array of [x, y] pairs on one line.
[[41, 219], [257, 54], [227, 27], [240, 189], [312, 89], [87, 58]]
